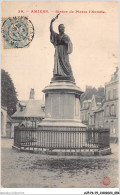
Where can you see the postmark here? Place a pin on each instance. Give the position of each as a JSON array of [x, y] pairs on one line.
[[106, 181], [18, 32]]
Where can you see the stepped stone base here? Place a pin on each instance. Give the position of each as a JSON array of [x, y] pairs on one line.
[[59, 123], [103, 152]]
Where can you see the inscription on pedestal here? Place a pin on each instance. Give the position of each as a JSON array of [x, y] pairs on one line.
[[60, 105]]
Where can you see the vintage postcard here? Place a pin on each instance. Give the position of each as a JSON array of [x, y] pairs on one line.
[[60, 96]]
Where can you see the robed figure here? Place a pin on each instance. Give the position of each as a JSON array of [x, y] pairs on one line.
[[63, 47]]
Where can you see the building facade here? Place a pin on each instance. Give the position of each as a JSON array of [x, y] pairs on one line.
[[95, 105], [84, 112], [7, 124], [99, 118], [88, 110], [102, 111], [111, 105]]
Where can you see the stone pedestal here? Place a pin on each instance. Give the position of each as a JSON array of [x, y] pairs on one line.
[[62, 129], [62, 104], [61, 132]]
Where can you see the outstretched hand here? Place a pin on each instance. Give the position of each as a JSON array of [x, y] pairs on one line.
[[55, 18]]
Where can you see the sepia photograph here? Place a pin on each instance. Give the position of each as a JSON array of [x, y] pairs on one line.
[[59, 94]]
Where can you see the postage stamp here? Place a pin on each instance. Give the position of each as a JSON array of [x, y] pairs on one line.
[[18, 32]]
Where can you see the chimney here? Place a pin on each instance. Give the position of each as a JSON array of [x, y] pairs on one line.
[[32, 93]]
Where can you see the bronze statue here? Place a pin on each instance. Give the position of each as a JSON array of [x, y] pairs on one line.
[[63, 47]]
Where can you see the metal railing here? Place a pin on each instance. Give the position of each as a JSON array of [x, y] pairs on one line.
[[73, 138]]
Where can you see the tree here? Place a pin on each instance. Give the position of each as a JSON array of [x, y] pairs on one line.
[[8, 93], [87, 95]]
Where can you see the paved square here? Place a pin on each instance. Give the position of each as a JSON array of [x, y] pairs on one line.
[[28, 170]]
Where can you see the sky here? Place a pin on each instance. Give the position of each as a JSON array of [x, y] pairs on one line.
[[94, 37]]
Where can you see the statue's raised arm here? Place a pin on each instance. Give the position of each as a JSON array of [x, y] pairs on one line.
[[51, 24]]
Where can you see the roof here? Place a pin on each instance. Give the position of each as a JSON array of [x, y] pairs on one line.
[[92, 91], [33, 108], [19, 113], [87, 95]]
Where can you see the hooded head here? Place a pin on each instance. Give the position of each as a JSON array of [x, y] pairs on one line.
[[61, 28]]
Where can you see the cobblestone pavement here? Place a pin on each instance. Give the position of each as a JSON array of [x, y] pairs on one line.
[[25, 170]]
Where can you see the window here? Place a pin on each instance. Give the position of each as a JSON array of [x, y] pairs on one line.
[[114, 93], [89, 103], [85, 105], [107, 111], [113, 110], [112, 127], [90, 120], [106, 124], [109, 95]]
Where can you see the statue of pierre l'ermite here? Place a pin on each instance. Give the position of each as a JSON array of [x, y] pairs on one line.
[[63, 47]]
